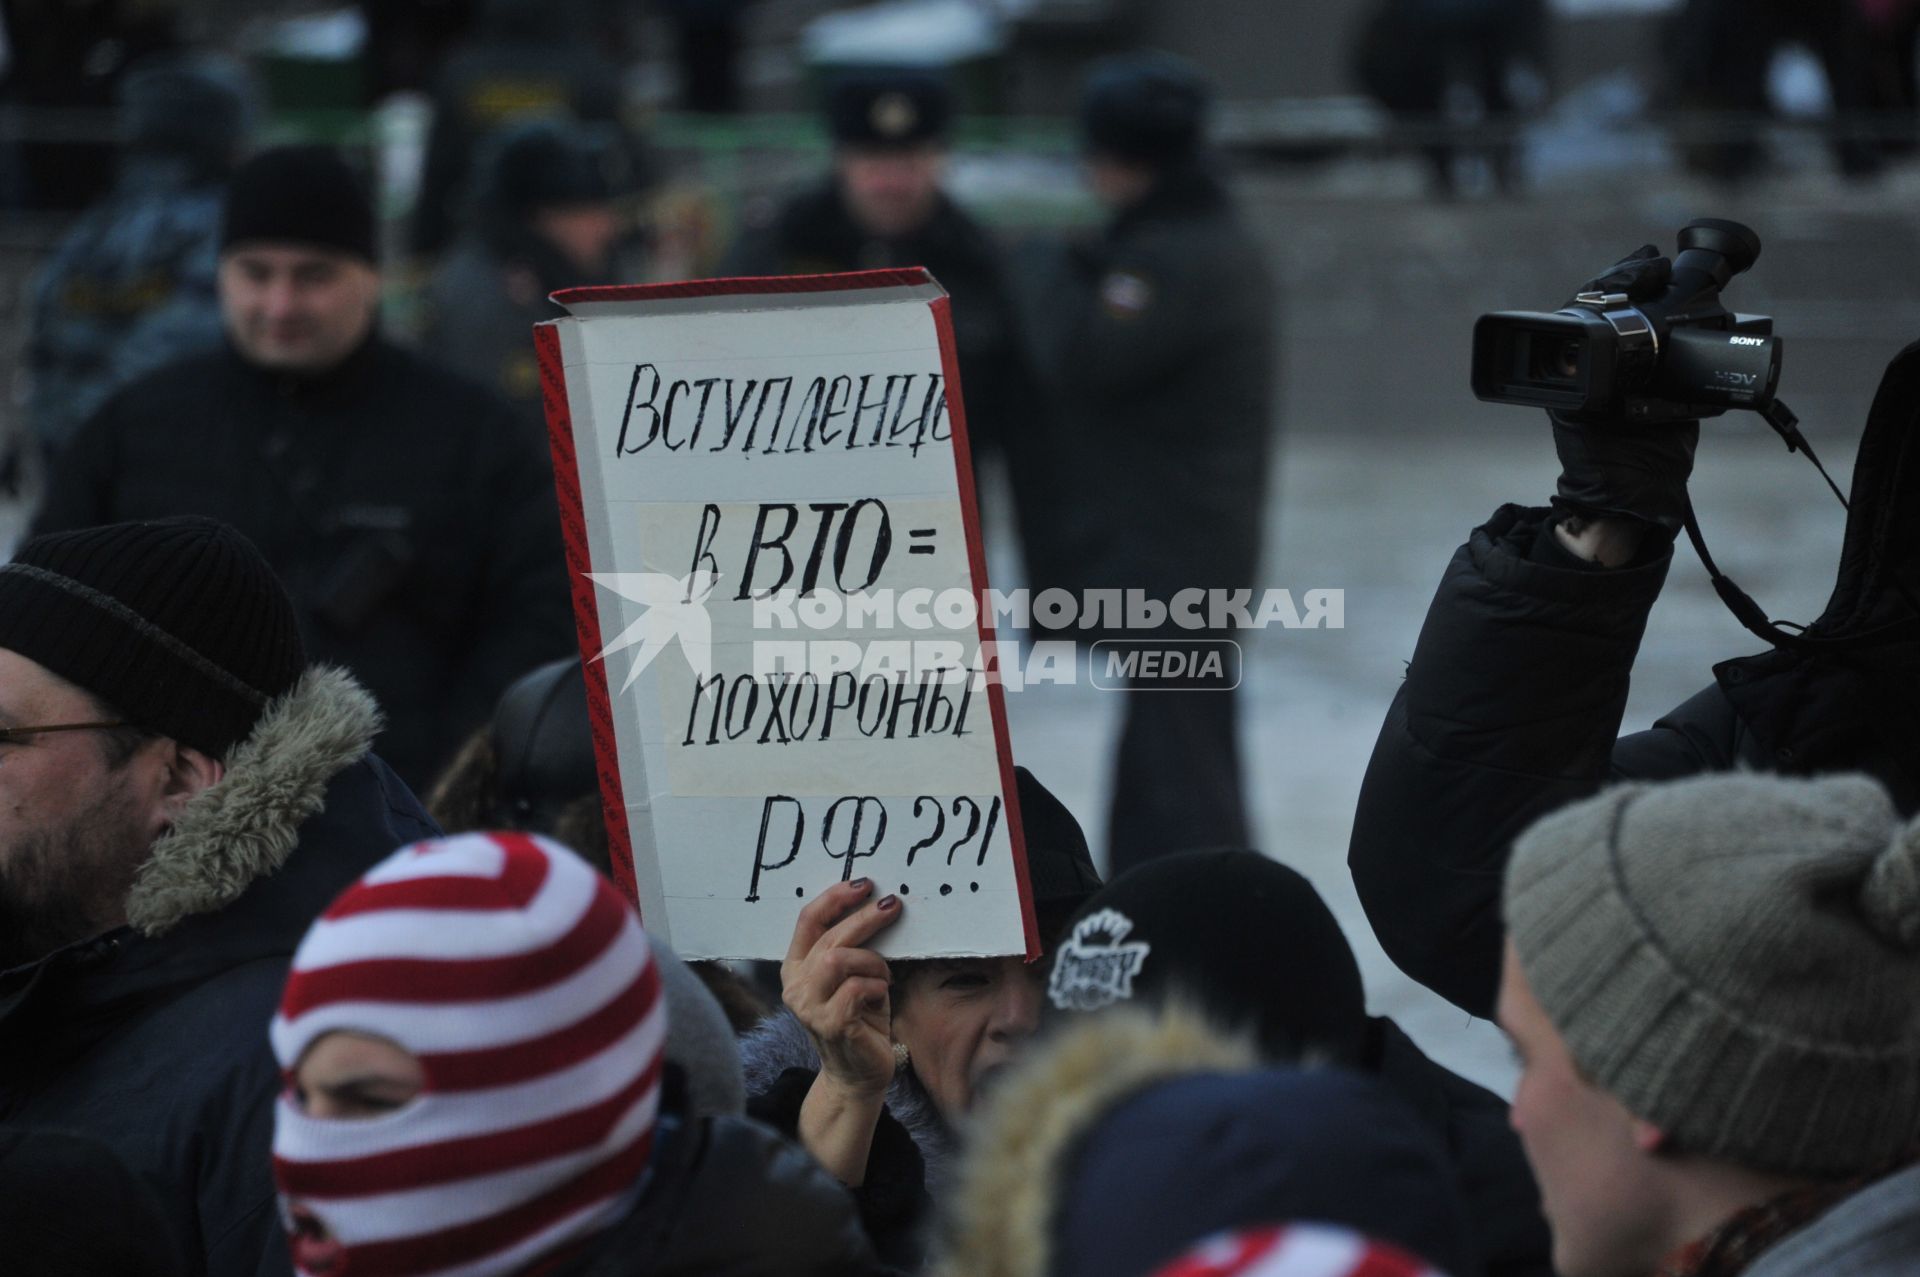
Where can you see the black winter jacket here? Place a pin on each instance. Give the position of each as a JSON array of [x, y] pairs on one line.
[[410, 516], [1496, 1184], [153, 1037], [1512, 705], [727, 1197], [912, 1152], [1157, 348]]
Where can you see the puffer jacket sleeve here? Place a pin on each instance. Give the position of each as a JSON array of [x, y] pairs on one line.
[[1511, 708]]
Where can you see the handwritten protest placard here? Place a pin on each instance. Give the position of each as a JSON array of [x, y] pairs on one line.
[[770, 526]]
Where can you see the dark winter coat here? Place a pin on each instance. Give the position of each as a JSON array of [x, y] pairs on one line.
[[1157, 347], [814, 233], [1496, 1185], [1133, 1134], [913, 1148], [153, 1037], [1512, 705], [411, 517], [726, 1197]]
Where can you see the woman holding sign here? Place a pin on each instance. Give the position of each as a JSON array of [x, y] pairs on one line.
[[873, 1064]]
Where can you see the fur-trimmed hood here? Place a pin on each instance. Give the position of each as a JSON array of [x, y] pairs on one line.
[[302, 810], [780, 1042], [245, 826], [1001, 1217], [1134, 1132]]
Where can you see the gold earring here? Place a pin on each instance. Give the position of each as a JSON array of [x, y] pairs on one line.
[[900, 1056]]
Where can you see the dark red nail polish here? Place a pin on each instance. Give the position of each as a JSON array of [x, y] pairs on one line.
[[889, 902]]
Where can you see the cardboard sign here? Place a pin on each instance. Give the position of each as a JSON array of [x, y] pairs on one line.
[[769, 512]]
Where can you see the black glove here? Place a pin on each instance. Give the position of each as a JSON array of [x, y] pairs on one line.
[[1615, 468]]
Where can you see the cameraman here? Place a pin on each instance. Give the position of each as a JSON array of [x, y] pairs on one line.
[[1512, 703]]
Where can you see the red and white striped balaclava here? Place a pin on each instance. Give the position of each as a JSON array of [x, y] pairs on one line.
[[1298, 1250], [520, 979]]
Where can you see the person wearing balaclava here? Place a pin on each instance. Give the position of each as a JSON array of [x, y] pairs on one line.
[[1512, 704], [473, 1036], [1248, 943]]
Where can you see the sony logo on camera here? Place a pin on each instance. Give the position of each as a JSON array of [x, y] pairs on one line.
[[1747, 341]]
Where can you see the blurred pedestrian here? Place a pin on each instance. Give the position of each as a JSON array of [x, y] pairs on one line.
[[708, 38], [1416, 57], [885, 205], [1132, 1135], [873, 1066], [1208, 930], [1713, 987], [473, 1038], [1159, 347], [1513, 701], [180, 793], [64, 61], [410, 515], [546, 216], [522, 59], [131, 285]]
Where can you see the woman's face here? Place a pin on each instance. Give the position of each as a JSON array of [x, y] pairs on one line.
[[963, 1019]]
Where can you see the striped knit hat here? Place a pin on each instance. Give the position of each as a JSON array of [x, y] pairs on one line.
[[1299, 1250], [521, 981]]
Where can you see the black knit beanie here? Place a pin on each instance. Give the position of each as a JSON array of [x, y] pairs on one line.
[[1242, 936], [300, 195], [179, 624]]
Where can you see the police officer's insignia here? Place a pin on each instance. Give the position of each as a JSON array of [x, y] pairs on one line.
[[1094, 968], [1125, 295], [892, 115]]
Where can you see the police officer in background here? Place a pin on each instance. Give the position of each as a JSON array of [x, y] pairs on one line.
[[883, 206], [1158, 345]]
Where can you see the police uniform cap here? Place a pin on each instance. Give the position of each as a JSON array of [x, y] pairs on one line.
[[1146, 107], [889, 108]]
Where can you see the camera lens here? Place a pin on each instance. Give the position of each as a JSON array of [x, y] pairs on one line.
[[1553, 359]]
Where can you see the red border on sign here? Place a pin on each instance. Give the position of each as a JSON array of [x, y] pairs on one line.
[[745, 284], [586, 611], [942, 308]]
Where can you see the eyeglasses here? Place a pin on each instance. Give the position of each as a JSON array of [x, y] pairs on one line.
[[15, 735]]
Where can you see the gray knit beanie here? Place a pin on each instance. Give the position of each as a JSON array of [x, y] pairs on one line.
[[1736, 958]]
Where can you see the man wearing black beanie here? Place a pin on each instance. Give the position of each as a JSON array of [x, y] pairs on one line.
[[180, 793], [410, 515]]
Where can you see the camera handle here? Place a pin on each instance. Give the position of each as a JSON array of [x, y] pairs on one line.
[[1750, 614]]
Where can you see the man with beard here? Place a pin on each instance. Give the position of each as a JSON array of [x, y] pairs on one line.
[[180, 793]]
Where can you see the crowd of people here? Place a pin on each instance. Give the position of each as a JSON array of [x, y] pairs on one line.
[[310, 961]]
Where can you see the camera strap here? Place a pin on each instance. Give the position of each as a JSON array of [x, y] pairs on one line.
[[1741, 604]]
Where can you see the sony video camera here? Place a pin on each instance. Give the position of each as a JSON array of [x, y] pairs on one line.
[[1674, 358]]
